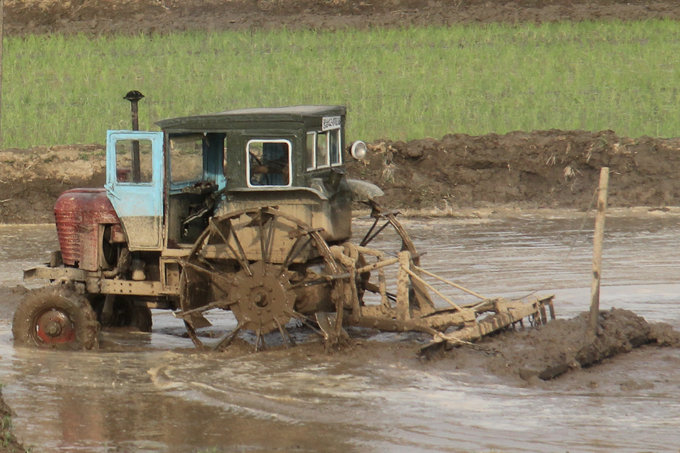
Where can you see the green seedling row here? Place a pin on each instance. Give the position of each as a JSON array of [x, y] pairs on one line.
[[397, 83]]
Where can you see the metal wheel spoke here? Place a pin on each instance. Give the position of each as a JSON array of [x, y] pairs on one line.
[[215, 229], [192, 334], [325, 252], [307, 283], [207, 264], [266, 238], [226, 341], [305, 321], [406, 242], [244, 258], [200, 242], [241, 254], [368, 233], [287, 339], [270, 239], [259, 338], [213, 274], [367, 239], [221, 303], [293, 253]]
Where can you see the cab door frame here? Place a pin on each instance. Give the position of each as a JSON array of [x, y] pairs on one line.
[[139, 205]]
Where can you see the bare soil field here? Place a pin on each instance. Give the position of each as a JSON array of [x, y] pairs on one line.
[[161, 16]]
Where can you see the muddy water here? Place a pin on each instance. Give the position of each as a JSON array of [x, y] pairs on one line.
[[153, 393]]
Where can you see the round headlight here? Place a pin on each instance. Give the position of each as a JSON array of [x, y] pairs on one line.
[[359, 150]]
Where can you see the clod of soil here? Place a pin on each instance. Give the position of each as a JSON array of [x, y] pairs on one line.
[[8, 443], [563, 345]]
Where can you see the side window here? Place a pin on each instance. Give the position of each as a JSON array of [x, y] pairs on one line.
[[321, 150], [186, 158], [126, 150], [311, 150], [334, 146], [268, 162]]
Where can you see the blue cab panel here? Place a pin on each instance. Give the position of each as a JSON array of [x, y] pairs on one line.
[[136, 194]]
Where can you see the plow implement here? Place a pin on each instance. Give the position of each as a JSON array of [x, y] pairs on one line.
[[413, 308], [269, 268], [241, 223]]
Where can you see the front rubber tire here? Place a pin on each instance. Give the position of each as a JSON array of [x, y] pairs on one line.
[[55, 318]]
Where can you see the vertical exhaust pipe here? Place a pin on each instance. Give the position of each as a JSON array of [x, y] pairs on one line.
[[134, 97]]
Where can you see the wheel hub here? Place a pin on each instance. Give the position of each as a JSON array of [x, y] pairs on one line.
[[54, 326], [262, 301]]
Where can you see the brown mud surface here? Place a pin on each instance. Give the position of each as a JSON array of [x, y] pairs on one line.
[[162, 16]]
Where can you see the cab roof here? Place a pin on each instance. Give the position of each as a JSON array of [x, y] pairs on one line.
[[230, 119]]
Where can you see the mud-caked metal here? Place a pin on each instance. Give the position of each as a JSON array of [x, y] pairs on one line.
[[126, 246], [248, 211]]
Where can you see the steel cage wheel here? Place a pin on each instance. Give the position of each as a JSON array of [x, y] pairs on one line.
[[252, 262]]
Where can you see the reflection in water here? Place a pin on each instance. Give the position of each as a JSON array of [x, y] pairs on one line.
[[160, 395], [22, 246]]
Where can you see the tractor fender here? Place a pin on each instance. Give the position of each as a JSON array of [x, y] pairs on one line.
[[363, 191]]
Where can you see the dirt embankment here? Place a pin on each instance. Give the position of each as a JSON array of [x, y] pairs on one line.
[[161, 16], [543, 169], [32, 179]]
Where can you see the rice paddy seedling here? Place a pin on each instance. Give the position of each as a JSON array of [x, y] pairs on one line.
[[398, 83]]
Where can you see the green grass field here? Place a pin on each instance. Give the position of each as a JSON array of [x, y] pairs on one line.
[[397, 84]]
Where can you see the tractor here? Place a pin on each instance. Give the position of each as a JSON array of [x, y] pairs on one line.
[[246, 211]]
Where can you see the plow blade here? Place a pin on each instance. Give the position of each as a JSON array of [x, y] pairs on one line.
[[505, 314], [403, 310]]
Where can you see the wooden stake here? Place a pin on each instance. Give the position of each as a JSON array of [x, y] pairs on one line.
[[597, 249], [2, 35]]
